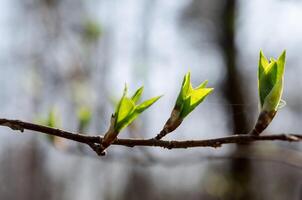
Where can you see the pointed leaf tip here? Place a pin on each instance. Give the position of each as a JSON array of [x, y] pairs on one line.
[[118, 106], [203, 84], [262, 58], [185, 87], [137, 95], [127, 110], [187, 82], [125, 89], [262, 64], [281, 61], [146, 104], [283, 54]]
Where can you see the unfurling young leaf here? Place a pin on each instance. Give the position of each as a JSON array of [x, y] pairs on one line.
[[188, 99], [52, 120], [84, 118], [127, 110], [270, 87]]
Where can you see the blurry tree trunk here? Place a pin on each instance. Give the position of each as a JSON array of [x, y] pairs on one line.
[[240, 169], [222, 14], [139, 184]]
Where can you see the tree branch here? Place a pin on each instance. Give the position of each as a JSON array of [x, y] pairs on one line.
[[94, 141]]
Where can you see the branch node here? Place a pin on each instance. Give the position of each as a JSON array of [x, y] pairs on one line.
[[161, 134], [217, 144], [170, 145], [14, 126], [98, 144], [98, 149]]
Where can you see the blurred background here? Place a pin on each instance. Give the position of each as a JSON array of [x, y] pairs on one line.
[[60, 56]]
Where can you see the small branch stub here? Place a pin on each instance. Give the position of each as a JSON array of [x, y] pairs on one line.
[[13, 126], [263, 121], [172, 123]]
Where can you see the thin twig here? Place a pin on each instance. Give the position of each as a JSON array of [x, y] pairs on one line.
[[94, 141]]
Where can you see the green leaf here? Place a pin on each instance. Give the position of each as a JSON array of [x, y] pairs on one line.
[[127, 121], [202, 94], [84, 116], [199, 94], [92, 30], [263, 62], [272, 71], [137, 95], [281, 65], [127, 106], [127, 110], [146, 104], [195, 98], [189, 98], [267, 81], [186, 108], [51, 120], [185, 87], [203, 84], [120, 102], [136, 112], [270, 81], [272, 100]]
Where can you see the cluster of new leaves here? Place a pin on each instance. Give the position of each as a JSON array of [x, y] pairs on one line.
[[270, 82], [189, 98], [84, 118], [270, 86], [127, 109]]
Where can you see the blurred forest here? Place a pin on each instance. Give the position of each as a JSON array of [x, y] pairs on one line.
[[62, 55]]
